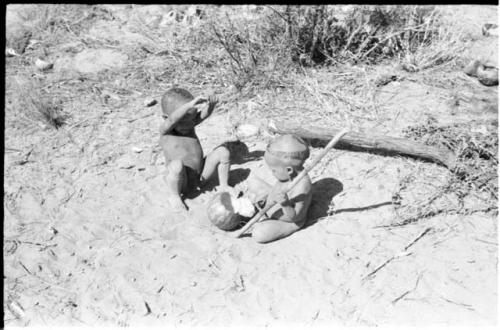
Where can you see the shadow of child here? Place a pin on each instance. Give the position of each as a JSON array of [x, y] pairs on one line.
[[240, 153], [323, 192], [236, 176]]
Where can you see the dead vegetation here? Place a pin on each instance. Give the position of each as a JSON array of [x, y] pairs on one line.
[[329, 35], [471, 187], [36, 105]]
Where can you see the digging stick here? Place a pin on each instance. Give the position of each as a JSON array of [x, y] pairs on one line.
[[297, 179]]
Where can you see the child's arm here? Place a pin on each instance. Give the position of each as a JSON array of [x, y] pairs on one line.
[[296, 207], [205, 113], [173, 119]]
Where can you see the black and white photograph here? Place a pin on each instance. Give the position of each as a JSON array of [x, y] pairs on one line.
[[250, 165]]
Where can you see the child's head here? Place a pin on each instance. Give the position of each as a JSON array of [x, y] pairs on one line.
[[285, 156], [175, 98]]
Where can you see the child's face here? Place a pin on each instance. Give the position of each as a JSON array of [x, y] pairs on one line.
[[280, 171]]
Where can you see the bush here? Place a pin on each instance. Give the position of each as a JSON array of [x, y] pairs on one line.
[[312, 35]]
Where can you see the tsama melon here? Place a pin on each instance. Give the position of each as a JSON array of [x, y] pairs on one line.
[[225, 211]]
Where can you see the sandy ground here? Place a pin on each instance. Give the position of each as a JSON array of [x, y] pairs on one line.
[[89, 239]]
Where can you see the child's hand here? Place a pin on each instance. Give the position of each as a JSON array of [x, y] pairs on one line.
[[197, 100], [277, 196], [212, 101], [206, 112]]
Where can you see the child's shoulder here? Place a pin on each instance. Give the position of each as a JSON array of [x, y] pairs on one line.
[[305, 184]]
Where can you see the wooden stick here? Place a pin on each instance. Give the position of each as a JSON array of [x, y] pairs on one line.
[[297, 179], [365, 141]]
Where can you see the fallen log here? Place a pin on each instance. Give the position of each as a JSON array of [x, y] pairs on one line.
[[360, 141]]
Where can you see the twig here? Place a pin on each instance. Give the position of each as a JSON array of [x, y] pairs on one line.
[[25, 158], [141, 117], [403, 253], [427, 230], [469, 307], [44, 281], [224, 44], [12, 149], [407, 292], [277, 12], [373, 272]]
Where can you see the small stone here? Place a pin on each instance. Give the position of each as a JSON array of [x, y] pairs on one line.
[[150, 102], [137, 149], [490, 29], [9, 52], [384, 79], [487, 76], [471, 68], [125, 162], [43, 65]]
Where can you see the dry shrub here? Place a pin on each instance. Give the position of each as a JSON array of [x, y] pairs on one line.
[[312, 35], [51, 24], [256, 48], [36, 105], [370, 34], [472, 186]]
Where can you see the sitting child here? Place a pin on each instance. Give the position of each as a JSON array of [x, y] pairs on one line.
[[186, 166], [285, 157]]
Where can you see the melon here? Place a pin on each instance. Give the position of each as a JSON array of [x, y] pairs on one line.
[[225, 211]]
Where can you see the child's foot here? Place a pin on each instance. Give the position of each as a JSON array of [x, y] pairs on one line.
[[176, 204]]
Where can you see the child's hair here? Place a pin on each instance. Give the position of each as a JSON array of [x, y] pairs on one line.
[[289, 149], [173, 98]]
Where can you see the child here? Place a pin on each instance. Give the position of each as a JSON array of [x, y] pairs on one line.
[[186, 166], [285, 157]]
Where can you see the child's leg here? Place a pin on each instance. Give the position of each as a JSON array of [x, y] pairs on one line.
[[270, 230], [218, 158], [175, 178]]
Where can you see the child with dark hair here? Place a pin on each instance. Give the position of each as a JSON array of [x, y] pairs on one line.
[[186, 166]]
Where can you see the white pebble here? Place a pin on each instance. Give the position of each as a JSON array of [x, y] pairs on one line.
[[43, 65], [137, 149], [9, 52]]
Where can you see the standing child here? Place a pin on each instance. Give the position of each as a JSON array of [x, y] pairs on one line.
[[186, 166]]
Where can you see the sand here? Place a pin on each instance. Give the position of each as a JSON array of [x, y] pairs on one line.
[[90, 240]]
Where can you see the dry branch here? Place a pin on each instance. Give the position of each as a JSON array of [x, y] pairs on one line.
[[369, 142]]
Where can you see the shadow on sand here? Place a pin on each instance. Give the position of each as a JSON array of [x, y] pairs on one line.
[[323, 192], [236, 176]]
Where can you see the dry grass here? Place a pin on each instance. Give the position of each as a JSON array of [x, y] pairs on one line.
[[242, 51], [471, 187], [36, 105]]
